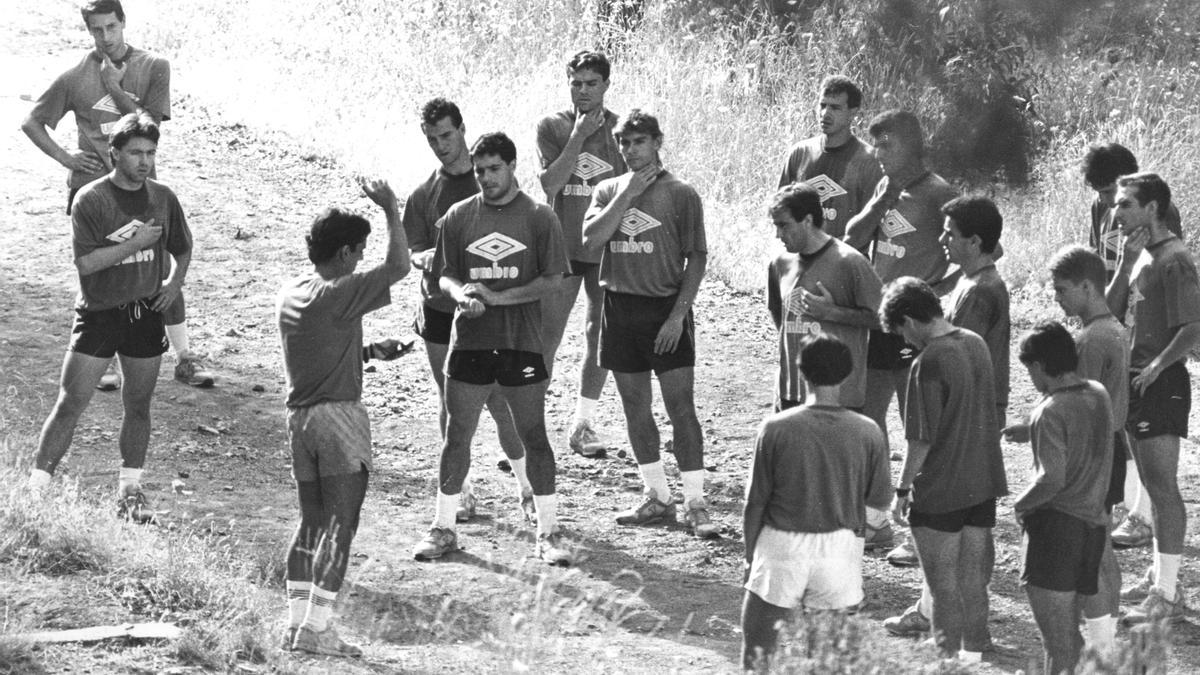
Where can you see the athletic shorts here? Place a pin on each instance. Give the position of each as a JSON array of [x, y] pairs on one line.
[[1062, 552], [508, 367], [1116, 481], [131, 329], [820, 570], [578, 268], [887, 351], [629, 325], [982, 514], [433, 325], [332, 438], [1164, 408]]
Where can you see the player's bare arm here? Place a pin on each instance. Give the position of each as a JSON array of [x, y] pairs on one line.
[[861, 229], [695, 265], [558, 172], [517, 295], [599, 227], [469, 305], [1117, 293], [397, 259], [1186, 338], [79, 160], [822, 306], [173, 284], [918, 450], [145, 235]]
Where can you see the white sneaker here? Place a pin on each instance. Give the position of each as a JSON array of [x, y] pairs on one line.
[[695, 516]]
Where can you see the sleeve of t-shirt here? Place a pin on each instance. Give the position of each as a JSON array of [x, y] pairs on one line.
[[552, 252], [601, 196], [158, 92], [870, 173], [1182, 289], [1050, 450], [758, 488], [860, 232], [691, 235], [788, 176], [447, 251], [414, 223], [868, 289], [976, 312], [925, 400], [179, 236], [85, 235], [549, 146], [774, 299], [51, 106], [360, 293], [879, 490], [1093, 362]]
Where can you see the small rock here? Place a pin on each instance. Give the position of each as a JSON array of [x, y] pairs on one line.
[[184, 474], [259, 388], [622, 454], [370, 369], [228, 488], [208, 430], [178, 486], [233, 332]]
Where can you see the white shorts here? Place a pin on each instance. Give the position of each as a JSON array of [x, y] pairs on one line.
[[330, 438], [820, 570]]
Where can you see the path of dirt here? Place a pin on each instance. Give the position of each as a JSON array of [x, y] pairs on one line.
[[248, 198]]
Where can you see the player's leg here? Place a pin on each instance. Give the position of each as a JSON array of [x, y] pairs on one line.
[[300, 552], [976, 557], [556, 314], [678, 393], [1057, 617], [878, 397], [583, 438], [188, 367], [761, 622], [637, 399], [436, 353], [141, 376], [80, 373], [1158, 459], [939, 553]]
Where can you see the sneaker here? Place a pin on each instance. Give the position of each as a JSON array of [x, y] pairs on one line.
[[439, 542], [904, 555], [1156, 607], [695, 516], [191, 372], [584, 441], [551, 550], [111, 379], [325, 642], [878, 537], [1133, 532], [289, 638], [909, 624], [466, 506], [1141, 590], [134, 507], [648, 512], [529, 508]]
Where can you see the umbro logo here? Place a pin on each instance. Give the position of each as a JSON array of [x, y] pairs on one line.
[[589, 166], [125, 233], [636, 221], [794, 300], [826, 187], [108, 105], [495, 247], [895, 224]]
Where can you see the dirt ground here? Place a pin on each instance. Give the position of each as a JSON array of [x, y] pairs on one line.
[[249, 195]]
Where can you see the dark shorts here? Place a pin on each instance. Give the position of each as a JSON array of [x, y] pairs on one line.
[[508, 367], [887, 351], [1164, 408], [629, 325], [579, 268], [1116, 482], [1062, 552], [982, 514], [433, 325], [132, 330]]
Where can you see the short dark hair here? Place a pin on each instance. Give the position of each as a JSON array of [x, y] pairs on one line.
[[1051, 345], [908, 298], [1104, 163], [840, 84], [587, 59], [495, 143], [133, 125], [976, 215], [437, 108], [333, 229], [1077, 264], [94, 7], [825, 360], [798, 200], [903, 125], [639, 121], [1150, 187]]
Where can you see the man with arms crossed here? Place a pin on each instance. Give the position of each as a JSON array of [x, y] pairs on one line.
[[132, 249], [320, 324], [841, 167], [1157, 292], [442, 125], [577, 151], [113, 80], [953, 470], [500, 253], [650, 226], [821, 285], [1062, 510], [817, 467]]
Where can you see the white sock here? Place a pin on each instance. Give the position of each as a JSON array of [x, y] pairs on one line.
[[1140, 504], [585, 409], [693, 485], [1102, 632], [177, 335], [877, 518], [547, 513], [925, 604], [1166, 572], [129, 480], [655, 480], [38, 479], [297, 600], [320, 609], [969, 657], [443, 515], [518, 469]]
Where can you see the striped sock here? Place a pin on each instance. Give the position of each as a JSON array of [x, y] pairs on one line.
[[297, 599], [320, 609]]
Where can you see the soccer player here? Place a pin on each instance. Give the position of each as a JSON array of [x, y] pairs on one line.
[[132, 250], [578, 151], [1062, 511], [1156, 291], [816, 470], [111, 81], [320, 325], [442, 125], [649, 225], [500, 252], [953, 471], [1102, 346], [840, 166], [821, 285]]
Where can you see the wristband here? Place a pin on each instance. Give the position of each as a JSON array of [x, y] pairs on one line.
[[903, 493]]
